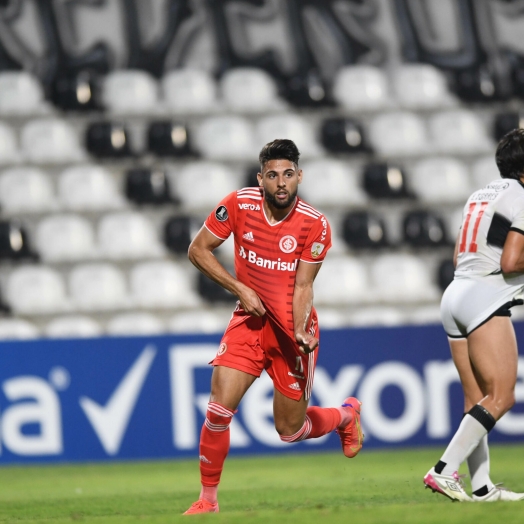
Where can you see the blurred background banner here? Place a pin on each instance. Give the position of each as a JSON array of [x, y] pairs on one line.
[[145, 397]]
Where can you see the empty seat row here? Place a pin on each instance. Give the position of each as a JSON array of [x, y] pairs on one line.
[[357, 87], [163, 284], [101, 287], [234, 137], [123, 324]]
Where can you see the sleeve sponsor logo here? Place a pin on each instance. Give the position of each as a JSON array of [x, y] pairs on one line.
[[324, 232], [316, 249], [221, 213], [288, 244]]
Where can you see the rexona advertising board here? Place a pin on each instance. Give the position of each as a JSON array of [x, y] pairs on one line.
[[145, 397]]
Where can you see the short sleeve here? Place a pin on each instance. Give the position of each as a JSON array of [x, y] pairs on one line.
[[220, 221], [318, 241]]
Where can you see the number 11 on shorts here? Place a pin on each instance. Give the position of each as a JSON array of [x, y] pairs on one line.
[[475, 212]]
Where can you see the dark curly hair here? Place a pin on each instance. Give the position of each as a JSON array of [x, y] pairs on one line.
[[510, 154], [280, 148]]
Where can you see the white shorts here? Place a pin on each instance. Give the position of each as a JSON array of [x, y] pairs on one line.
[[468, 303]]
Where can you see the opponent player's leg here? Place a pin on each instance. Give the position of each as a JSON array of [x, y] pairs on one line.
[[478, 461], [493, 353], [295, 421], [228, 386]]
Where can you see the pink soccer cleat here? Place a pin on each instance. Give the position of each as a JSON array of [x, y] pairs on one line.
[[202, 506], [450, 486], [351, 436]]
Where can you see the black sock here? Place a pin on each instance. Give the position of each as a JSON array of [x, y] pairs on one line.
[[481, 492], [439, 466]]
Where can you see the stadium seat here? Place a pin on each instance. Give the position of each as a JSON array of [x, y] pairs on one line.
[[50, 141], [97, 287], [343, 135], [423, 315], [163, 284], [8, 148], [364, 229], [398, 134], [128, 235], [76, 92], [226, 138], [128, 324], [147, 186], [483, 171], [212, 292], [440, 180], [62, 238], [249, 90], [332, 318], [250, 176], [383, 180], [329, 182], [421, 86], [14, 244], [361, 88], [178, 234], [506, 122], [17, 329], [401, 278], [73, 327], [307, 89], [201, 185], [35, 290], [88, 188], [445, 273], [166, 138], [342, 280], [459, 131], [424, 229], [20, 94], [130, 92], [108, 140], [478, 84], [201, 321], [291, 126], [189, 91], [376, 316], [25, 190]]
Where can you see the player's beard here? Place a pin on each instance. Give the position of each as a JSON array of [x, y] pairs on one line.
[[278, 204]]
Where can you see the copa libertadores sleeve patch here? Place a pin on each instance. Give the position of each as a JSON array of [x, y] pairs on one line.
[[221, 213]]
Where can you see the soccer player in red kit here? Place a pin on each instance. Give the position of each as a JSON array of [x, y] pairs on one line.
[[280, 243]]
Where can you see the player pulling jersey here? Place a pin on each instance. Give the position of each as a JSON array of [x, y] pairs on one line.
[[480, 290], [267, 255]]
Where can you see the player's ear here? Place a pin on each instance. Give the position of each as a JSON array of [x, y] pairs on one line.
[[300, 176], [259, 178]]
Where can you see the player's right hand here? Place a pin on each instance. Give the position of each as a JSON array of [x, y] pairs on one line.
[[251, 302]]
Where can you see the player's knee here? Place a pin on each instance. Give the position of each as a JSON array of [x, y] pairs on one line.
[[218, 417], [290, 434]]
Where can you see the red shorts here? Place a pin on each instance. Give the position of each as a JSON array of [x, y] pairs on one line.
[[252, 344]]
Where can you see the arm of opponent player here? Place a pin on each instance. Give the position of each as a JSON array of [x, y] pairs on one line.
[[512, 260], [302, 304], [201, 255]]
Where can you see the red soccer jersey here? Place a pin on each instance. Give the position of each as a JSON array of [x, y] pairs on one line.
[[267, 255]]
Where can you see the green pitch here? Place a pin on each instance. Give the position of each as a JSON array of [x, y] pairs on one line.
[[375, 487]]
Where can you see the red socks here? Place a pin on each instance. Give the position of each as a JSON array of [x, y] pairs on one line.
[[214, 444], [318, 422], [323, 420]]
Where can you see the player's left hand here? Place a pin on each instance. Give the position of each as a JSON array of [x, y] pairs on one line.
[[306, 343]]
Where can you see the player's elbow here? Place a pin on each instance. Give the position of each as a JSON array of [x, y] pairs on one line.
[[192, 253], [508, 264]]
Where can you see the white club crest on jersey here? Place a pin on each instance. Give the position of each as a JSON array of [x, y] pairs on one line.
[[288, 244]]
